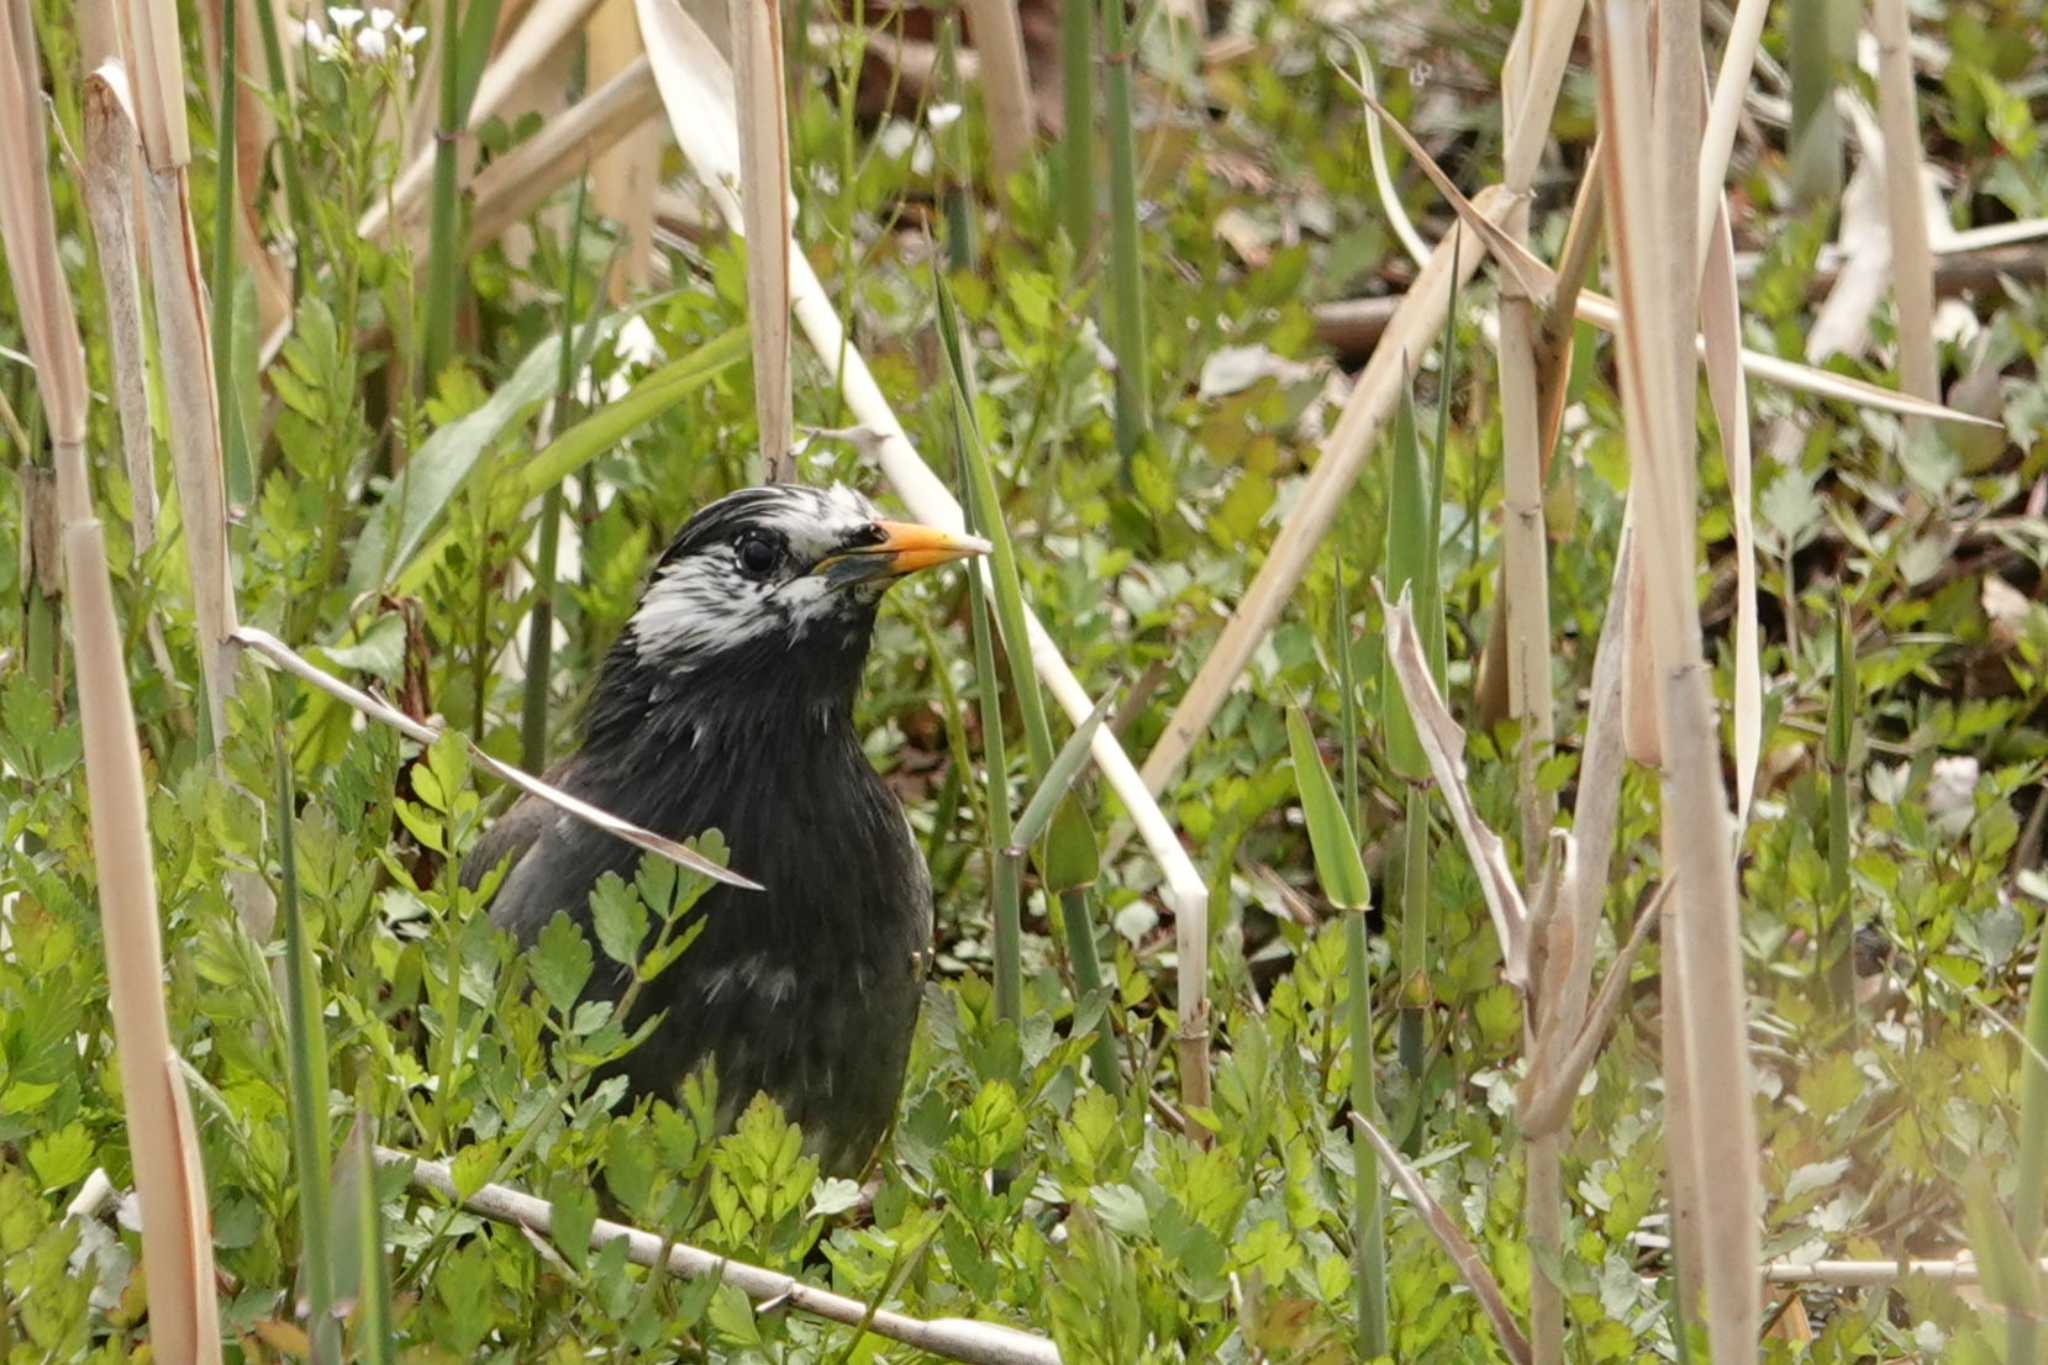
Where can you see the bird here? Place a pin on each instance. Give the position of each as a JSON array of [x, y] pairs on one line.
[[726, 702]]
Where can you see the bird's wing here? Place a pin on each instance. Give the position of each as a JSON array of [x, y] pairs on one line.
[[511, 834]]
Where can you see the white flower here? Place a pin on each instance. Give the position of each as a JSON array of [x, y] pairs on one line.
[[344, 18], [382, 19], [941, 115], [325, 47], [372, 44], [410, 38]]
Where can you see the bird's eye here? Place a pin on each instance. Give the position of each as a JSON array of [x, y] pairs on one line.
[[757, 556]]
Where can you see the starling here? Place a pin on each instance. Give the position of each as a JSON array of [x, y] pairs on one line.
[[727, 703]]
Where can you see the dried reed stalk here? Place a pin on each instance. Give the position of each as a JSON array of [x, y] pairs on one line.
[[1912, 260], [520, 181], [163, 1141], [184, 346], [110, 204], [1531, 78], [765, 220], [624, 178], [1005, 85], [1654, 131], [1413, 329]]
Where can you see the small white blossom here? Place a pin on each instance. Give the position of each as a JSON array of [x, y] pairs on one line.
[[372, 44], [410, 38], [382, 19], [942, 115], [344, 18], [323, 45]]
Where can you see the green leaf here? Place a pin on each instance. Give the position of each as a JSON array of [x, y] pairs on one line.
[[1338, 866], [560, 962], [62, 1157], [619, 919], [440, 467], [472, 1167], [2009, 1279]]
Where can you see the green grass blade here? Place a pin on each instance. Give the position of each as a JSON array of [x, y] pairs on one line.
[[1338, 867], [1066, 767], [1838, 952], [2031, 1187], [306, 1043], [1005, 870]]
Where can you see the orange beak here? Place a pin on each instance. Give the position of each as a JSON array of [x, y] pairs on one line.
[[904, 547]]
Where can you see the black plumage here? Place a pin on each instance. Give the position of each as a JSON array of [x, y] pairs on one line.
[[727, 703]]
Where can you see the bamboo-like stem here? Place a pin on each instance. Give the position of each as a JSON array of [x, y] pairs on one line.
[[288, 146], [443, 269], [1912, 264], [623, 180], [177, 1248], [185, 351], [306, 1042], [1005, 87], [235, 455], [1529, 92], [1713, 1140], [1367, 1230], [1542, 1220], [1127, 279], [1077, 137], [765, 219]]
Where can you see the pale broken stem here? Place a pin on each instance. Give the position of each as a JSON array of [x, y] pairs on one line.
[[1539, 280], [109, 178], [1543, 1108], [756, 27], [1600, 768], [1443, 743], [697, 93], [1415, 327], [281, 656], [1470, 1265], [982, 1343], [1721, 316], [1912, 261]]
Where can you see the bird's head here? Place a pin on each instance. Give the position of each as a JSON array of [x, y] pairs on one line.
[[776, 586]]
